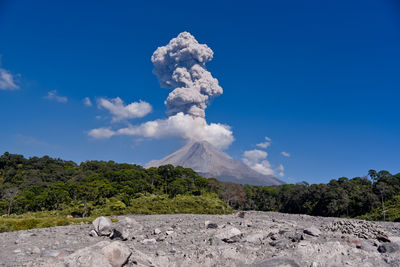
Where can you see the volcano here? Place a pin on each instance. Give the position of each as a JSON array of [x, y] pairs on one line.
[[208, 162]]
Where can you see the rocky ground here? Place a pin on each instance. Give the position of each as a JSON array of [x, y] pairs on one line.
[[241, 239]]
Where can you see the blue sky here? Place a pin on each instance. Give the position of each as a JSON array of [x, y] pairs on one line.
[[320, 78]]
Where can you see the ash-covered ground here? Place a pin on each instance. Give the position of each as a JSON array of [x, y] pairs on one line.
[[255, 239]]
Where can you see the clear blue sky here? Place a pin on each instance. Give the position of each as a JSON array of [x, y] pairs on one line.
[[320, 78]]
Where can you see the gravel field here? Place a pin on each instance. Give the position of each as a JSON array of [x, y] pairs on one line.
[[241, 239]]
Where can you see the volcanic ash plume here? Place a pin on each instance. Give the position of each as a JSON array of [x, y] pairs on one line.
[[181, 65]]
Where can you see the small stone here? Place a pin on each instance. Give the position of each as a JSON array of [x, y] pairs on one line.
[[312, 231], [93, 233], [383, 238], [57, 253], [229, 235], [273, 236], [157, 231], [160, 238], [17, 251], [149, 241], [389, 248], [210, 225], [36, 250], [248, 223], [115, 234], [169, 232], [160, 253], [277, 262], [254, 238]]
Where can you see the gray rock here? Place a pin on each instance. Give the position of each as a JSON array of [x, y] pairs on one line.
[[157, 231], [149, 241], [36, 250], [88, 256], [116, 253], [280, 244], [229, 234], [254, 238], [192, 244], [312, 231], [93, 233], [210, 225], [277, 262], [57, 253], [389, 248], [116, 234], [102, 226]]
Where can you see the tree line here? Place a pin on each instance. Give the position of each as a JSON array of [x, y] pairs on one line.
[[44, 184], [341, 197], [38, 184]]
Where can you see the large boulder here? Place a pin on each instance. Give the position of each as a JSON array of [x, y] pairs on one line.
[[116, 253], [89, 256], [102, 254], [102, 226]]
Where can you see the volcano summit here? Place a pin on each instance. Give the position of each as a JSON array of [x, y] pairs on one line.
[[208, 161]]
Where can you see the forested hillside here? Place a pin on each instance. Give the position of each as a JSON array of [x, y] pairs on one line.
[[378, 193], [97, 187], [38, 184]]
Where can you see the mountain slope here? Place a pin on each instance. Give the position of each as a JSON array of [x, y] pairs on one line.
[[208, 161]]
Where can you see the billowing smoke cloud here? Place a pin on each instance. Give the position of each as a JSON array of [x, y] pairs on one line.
[[180, 125], [180, 65]]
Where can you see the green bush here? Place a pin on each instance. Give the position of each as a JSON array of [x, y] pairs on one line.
[[38, 220]]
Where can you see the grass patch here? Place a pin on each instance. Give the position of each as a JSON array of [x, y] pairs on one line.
[[205, 204], [147, 204], [39, 219]]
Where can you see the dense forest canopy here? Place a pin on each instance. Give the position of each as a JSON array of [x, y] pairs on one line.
[[40, 184]]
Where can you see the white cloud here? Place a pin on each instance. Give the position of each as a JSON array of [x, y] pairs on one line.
[[120, 111], [281, 170], [52, 95], [7, 80], [257, 160], [265, 144], [101, 133], [180, 125], [87, 102], [285, 154], [255, 155]]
